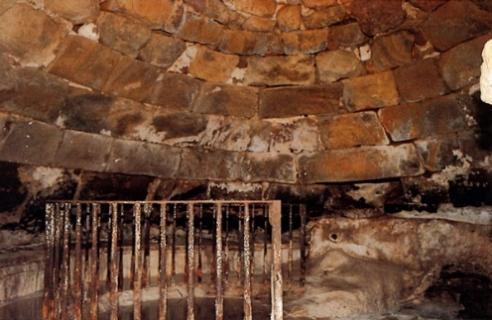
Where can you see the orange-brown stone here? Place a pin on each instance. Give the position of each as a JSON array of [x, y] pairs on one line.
[[324, 17], [162, 50], [309, 41], [391, 51], [262, 8], [345, 36], [360, 164], [280, 70], [370, 92], [213, 65], [289, 18], [352, 130]]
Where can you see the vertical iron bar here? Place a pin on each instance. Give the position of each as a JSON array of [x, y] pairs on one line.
[[248, 311], [48, 271], [162, 264], [121, 276], [191, 264], [65, 261], [276, 269], [226, 250], [200, 230], [302, 239], [291, 245], [219, 297], [146, 244], [94, 262], [58, 259], [114, 262], [173, 249], [252, 245], [77, 285], [265, 243], [137, 280]]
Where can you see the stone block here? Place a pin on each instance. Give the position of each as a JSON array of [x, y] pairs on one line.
[[31, 143], [289, 18], [132, 157], [419, 81], [132, 79], [280, 70], [427, 5], [85, 62], [439, 116], [370, 92], [262, 8], [377, 16], [338, 64], [213, 65], [86, 151], [227, 100], [156, 12], [361, 164], [214, 9], [306, 41], [291, 136], [345, 36], [259, 24], [30, 34], [122, 34], [162, 50], [352, 130], [241, 42], [201, 30], [259, 167], [178, 125], [391, 51], [77, 11], [455, 22], [319, 3], [216, 165], [324, 17], [175, 91], [437, 153], [298, 101], [460, 66]]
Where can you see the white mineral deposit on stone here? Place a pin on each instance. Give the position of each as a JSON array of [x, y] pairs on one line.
[[486, 73], [89, 31]]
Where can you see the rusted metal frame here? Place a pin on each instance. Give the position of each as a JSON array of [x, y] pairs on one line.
[[94, 286], [137, 280], [113, 296], [190, 263], [121, 276], [252, 245], [248, 309], [219, 296], [58, 227], [199, 244], [162, 263], [146, 244], [173, 249], [276, 266], [226, 249], [290, 261], [48, 297], [77, 281], [265, 243]]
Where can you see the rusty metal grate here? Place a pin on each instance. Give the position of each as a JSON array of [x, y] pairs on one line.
[[91, 244]]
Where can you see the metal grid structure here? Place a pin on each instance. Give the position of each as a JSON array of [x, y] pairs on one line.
[[84, 236]]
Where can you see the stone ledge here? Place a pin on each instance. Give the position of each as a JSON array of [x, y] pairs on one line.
[[360, 164]]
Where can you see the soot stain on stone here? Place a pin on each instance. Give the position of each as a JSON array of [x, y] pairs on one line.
[[87, 112], [179, 125], [127, 122], [12, 193]]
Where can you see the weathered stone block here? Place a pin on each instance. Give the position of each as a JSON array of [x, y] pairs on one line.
[[217, 165], [319, 3], [133, 157], [377, 16], [324, 17], [309, 41], [156, 12], [419, 81], [455, 22], [32, 93], [427, 5], [352, 130], [437, 153], [77, 11], [174, 91], [370, 92], [214, 9], [256, 167], [391, 51], [294, 136], [122, 34], [201, 30], [132, 79], [345, 36], [31, 142], [280, 70], [162, 50], [360, 164], [178, 125], [460, 66], [80, 150], [30, 34], [213, 65], [298, 101], [433, 117], [85, 62], [262, 8], [227, 100], [338, 64], [259, 24], [289, 18]]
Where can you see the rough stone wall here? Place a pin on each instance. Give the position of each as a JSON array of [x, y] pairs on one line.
[[364, 103]]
